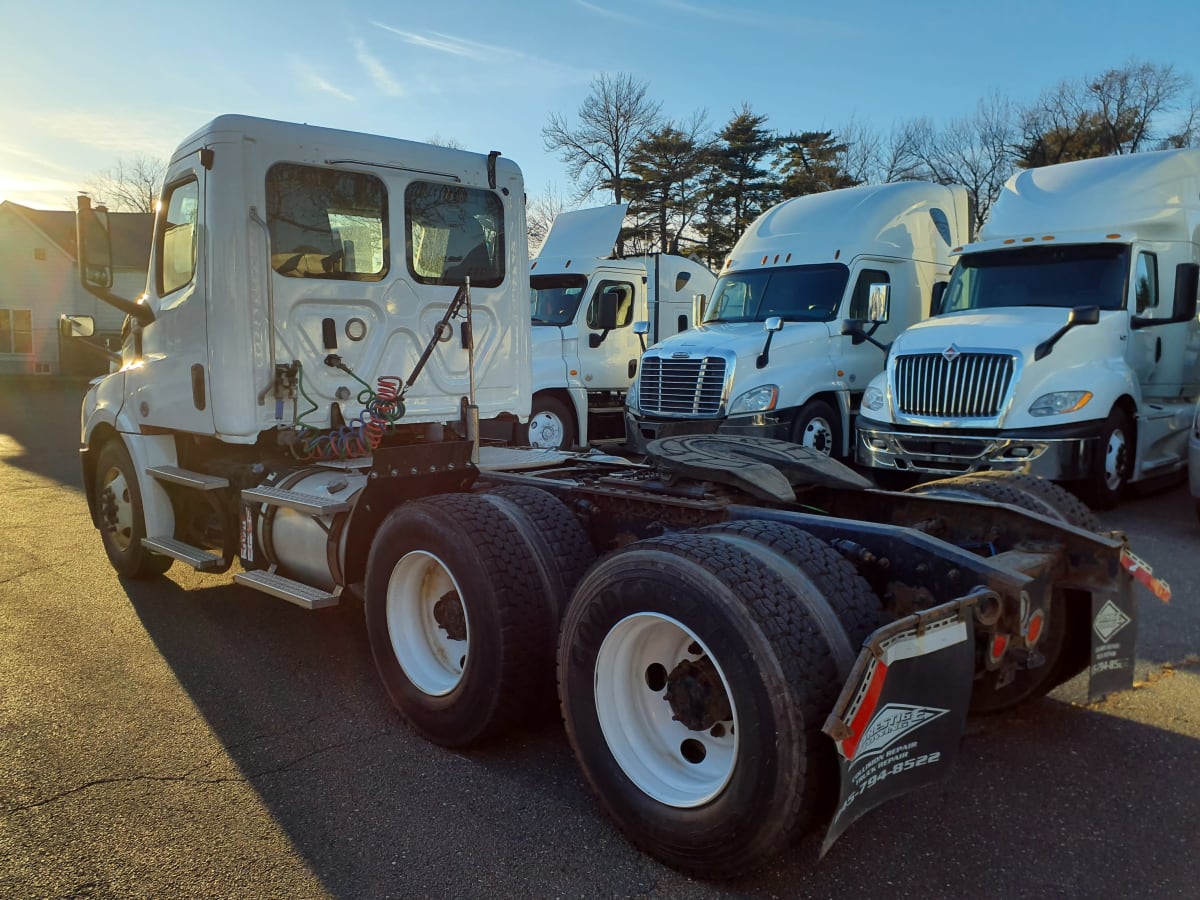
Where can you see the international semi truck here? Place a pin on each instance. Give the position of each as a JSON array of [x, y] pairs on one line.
[[748, 641], [1067, 343], [801, 316]]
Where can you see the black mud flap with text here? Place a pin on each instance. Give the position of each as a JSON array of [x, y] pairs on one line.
[[1114, 632], [900, 717]]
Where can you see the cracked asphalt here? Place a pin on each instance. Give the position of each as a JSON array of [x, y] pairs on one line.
[[191, 738]]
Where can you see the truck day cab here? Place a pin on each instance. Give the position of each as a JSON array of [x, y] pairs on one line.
[[781, 352], [741, 630], [582, 366], [1067, 344]]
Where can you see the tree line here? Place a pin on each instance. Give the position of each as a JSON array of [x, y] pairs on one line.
[[693, 189]]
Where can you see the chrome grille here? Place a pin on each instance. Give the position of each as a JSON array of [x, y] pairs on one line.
[[972, 385], [682, 387]]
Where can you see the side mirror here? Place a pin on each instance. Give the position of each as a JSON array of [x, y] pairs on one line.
[[878, 302], [76, 326], [698, 301], [935, 299], [641, 327], [1084, 315], [94, 245], [1187, 278], [773, 323], [606, 309]]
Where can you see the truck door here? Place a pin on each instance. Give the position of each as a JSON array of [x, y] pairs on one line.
[[1157, 353], [171, 388], [859, 363], [611, 365]]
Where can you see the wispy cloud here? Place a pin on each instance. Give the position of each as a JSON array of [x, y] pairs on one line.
[[311, 77], [381, 77], [609, 13], [692, 9], [119, 134]]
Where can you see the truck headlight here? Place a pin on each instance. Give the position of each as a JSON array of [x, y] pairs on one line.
[[873, 399], [757, 399], [1059, 402]]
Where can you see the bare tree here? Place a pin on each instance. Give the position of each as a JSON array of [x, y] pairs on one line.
[[132, 185], [613, 118], [1113, 113], [540, 213], [975, 151]]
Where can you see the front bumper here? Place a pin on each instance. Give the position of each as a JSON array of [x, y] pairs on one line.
[[641, 430], [1058, 453]]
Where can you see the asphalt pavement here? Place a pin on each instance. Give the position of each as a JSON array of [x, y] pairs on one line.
[[190, 738]]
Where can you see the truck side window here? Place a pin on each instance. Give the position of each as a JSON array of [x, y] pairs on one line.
[[1145, 282], [177, 236], [327, 223], [624, 304], [859, 302], [452, 232]]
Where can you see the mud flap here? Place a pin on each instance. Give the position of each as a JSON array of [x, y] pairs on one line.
[[1114, 632], [1114, 628], [899, 719]]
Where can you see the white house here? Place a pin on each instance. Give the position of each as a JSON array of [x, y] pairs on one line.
[[41, 283]]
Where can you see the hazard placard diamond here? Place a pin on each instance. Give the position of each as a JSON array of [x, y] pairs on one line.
[[1109, 621]]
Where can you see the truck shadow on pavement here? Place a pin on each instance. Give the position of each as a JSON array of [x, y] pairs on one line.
[[1051, 799]]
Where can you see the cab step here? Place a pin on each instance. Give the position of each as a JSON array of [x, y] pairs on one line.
[[197, 480], [309, 504], [286, 589], [199, 559]]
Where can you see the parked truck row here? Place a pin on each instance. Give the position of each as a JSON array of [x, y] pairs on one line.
[[749, 641]]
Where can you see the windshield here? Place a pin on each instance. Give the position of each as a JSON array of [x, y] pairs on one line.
[[553, 299], [795, 293], [1065, 277]]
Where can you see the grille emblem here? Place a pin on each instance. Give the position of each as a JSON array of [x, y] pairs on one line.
[[679, 356], [951, 353]]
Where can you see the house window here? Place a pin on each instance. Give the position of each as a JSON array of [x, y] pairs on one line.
[[327, 223], [16, 331]]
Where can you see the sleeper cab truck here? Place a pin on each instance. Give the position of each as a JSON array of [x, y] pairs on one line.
[[1066, 344], [800, 316]]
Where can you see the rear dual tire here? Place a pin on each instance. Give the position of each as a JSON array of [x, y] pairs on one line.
[[694, 683]]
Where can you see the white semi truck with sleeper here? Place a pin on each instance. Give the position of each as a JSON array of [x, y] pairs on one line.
[[801, 315], [741, 630], [1067, 344]]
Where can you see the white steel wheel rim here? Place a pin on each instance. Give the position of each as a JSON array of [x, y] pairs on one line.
[[818, 435], [1114, 459], [652, 748], [122, 520], [546, 431], [431, 657]]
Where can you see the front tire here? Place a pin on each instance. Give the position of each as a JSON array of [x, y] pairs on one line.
[[458, 620], [817, 427], [693, 690], [119, 509], [551, 425], [1113, 463]]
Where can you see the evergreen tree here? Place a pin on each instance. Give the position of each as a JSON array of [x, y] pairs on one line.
[[667, 167], [811, 162]]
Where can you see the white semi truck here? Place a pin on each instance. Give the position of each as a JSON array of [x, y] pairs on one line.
[[741, 629], [1067, 343], [791, 337], [582, 371]]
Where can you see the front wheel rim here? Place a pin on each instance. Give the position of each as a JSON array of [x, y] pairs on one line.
[[1114, 460], [546, 431], [643, 661], [818, 435], [427, 623], [118, 507]]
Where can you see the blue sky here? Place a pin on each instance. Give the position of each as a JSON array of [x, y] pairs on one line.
[[87, 83]]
